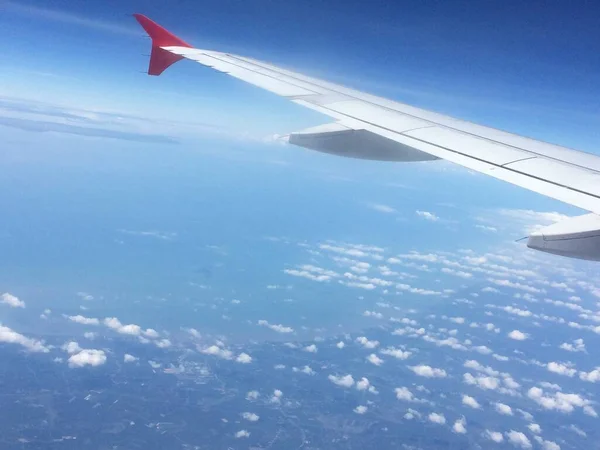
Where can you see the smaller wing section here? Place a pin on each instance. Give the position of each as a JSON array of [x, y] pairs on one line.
[[340, 140]]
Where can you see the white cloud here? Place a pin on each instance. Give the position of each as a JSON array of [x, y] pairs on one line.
[[482, 382], [518, 335], [515, 285], [404, 394], [561, 369], [129, 358], [547, 445], [243, 358], [278, 328], [87, 357], [306, 369], [10, 336], [312, 348], [276, 397], [252, 395], [577, 346], [84, 320], [363, 384], [470, 401], [129, 329], [427, 215], [340, 344], [382, 208], [518, 439], [11, 300], [215, 350], [437, 418], [367, 343], [559, 401], [90, 335], [242, 434], [428, 371], [495, 436], [592, 376], [457, 273], [374, 314], [396, 353], [534, 428], [361, 409], [344, 381], [459, 426], [374, 359], [501, 408], [251, 417]]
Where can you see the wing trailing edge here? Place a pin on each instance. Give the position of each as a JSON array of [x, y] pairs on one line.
[[160, 59]]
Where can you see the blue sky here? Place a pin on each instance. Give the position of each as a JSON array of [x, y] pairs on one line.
[[527, 67]]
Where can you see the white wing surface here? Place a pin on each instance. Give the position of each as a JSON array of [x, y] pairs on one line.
[[370, 127]]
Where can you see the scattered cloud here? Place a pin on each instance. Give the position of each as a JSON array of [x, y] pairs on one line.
[[503, 409], [129, 358], [278, 328], [11, 300], [361, 409], [346, 381], [374, 359], [518, 439], [242, 434], [459, 426], [518, 335], [87, 357], [10, 336], [428, 371], [427, 215], [470, 401], [437, 418], [382, 208], [251, 417]]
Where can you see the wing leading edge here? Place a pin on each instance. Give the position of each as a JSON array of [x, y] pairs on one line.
[[370, 127]]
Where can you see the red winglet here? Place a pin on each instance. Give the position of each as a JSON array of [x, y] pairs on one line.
[[160, 59]]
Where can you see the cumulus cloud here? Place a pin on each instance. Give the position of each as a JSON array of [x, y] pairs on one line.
[[404, 394], [559, 401], [459, 426], [561, 369], [87, 357], [592, 376], [215, 350], [518, 439], [534, 428], [367, 343], [10, 336], [242, 434], [252, 395], [343, 381], [129, 329], [340, 344], [84, 320], [11, 300], [470, 402], [243, 358], [428, 371], [396, 353], [501, 408], [312, 348], [374, 359], [361, 409], [276, 327], [306, 369], [577, 346], [129, 358], [251, 417], [495, 436], [363, 384], [437, 418], [427, 215], [481, 381], [518, 335]]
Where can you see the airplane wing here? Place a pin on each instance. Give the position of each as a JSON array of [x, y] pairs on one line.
[[369, 127]]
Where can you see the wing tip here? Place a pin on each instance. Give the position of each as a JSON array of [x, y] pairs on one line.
[[160, 59]]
